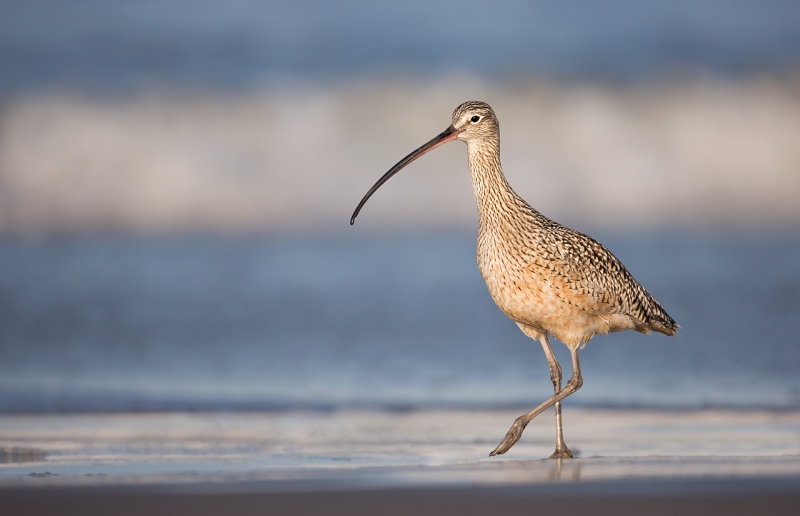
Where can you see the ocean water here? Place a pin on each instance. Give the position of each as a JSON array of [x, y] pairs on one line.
[[118, 45], [397, 321], [179, 118]]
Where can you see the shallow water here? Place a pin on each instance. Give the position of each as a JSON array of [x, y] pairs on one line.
[[401, 322], [357, 449]]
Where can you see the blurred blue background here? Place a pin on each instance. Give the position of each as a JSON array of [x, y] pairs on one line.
[[176, 180], [119, 44]]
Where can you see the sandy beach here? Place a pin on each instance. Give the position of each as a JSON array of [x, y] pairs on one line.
[[349, 461], [727, 498]]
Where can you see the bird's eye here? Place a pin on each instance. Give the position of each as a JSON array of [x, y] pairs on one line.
[[475, 119]]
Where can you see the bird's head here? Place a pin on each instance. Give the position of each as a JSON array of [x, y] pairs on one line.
[[473, 122]]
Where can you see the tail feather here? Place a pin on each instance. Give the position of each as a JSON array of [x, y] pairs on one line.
[[667, 327]]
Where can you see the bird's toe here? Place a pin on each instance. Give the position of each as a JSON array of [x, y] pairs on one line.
[[511, 438], [563, 453]]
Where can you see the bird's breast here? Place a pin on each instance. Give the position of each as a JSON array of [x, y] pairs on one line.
[[513, 277], [528, 288]]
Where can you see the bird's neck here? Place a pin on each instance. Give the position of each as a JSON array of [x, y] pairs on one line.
[[495, 197]]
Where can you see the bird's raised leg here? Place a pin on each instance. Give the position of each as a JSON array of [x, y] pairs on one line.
[[562, 451], [515, 432]]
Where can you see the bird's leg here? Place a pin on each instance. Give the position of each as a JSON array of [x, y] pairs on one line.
[[515, 432], [562, 451]]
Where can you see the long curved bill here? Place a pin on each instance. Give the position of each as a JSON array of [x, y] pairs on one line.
[[447, 135]]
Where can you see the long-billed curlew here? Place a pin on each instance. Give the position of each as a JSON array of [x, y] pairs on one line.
[[547, 278]]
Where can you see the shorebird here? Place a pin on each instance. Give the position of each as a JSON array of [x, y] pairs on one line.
[[549, 279]]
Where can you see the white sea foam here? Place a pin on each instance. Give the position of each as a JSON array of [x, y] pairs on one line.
[[667, 154]]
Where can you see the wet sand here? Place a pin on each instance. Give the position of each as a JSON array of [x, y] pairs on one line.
[[726, 498], [366, 462]]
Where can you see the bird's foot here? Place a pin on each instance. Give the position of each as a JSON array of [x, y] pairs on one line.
[[561, 453], [512, 436]]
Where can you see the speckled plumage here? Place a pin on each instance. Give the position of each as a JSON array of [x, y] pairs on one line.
[[547, 278], [541, 274]]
